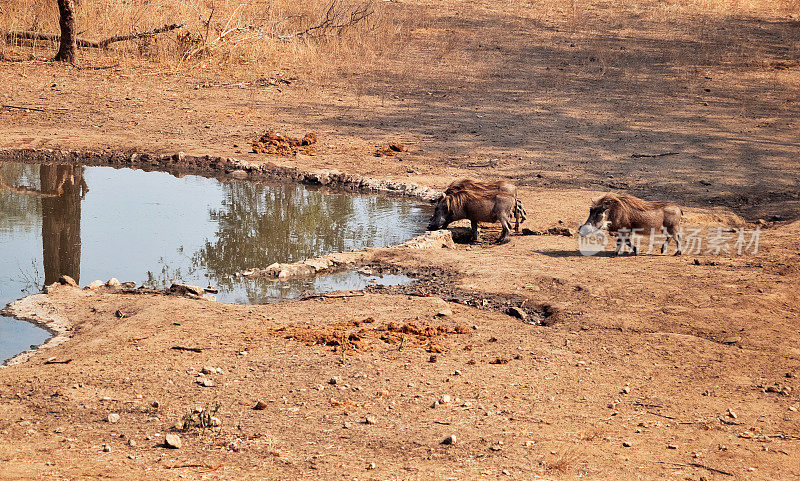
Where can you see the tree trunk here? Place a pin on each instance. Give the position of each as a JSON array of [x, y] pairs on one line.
[[66, 51]]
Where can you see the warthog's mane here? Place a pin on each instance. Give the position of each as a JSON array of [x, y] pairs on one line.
[[472, 185], [628, 203]]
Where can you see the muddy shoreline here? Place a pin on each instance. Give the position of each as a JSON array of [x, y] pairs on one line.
[[222, 168]]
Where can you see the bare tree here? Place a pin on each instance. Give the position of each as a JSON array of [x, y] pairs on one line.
[[68, 44]]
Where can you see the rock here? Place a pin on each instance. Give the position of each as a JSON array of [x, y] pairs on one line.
[[371, 466], [114, 283], [119, 314], [128, 285], [95, 284], [106, 448], [626, 390], [672, 446], [113, 418], [173, 441], [444, 312], [205, 382], [445, 399], [260, 406], [370, 420], [131, 443], [186, 290], [732, 414], [496, 447], [517, 312], [65, 280], [334, 380], [451, 439], [208, 370], [626, 444], [215, 421]]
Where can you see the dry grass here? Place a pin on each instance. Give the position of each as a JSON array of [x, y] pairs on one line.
[[270, 33]]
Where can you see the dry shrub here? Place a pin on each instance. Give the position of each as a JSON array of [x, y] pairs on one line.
[[215, 32], [567, 459]]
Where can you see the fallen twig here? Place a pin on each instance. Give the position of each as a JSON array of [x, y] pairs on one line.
[[698, 465], [20, 107], [191, 465], [661, 415], [192, 349], [662, 154]]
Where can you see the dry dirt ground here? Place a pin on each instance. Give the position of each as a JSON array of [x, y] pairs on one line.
[[654, 367]]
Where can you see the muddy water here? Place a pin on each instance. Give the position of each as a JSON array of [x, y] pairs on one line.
[[154, 229]]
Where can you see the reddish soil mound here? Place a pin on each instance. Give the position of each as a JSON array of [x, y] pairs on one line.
[[354, 336], [274, 143], [389, 150]]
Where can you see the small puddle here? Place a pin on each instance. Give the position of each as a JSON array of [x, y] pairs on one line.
[[154, 228]]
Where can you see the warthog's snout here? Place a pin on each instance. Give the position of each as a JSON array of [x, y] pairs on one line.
[[587, 229]]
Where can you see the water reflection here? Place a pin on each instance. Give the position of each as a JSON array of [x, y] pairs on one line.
[[154, 228], [63, 188]]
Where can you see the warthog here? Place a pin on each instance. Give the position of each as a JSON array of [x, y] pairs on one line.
[[628, 213], [477, 206], [520, 215]]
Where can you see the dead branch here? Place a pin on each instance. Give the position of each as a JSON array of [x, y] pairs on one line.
[[131, 36], [698, 465], [334, 20], [10, 35], [661, 154]]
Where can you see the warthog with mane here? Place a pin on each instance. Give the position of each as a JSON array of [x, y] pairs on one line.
[[520, 215], [628, 213], [477, 205]]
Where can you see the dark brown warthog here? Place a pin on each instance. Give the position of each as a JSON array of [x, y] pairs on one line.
[[488, 187], [630, 214], [477, 206]]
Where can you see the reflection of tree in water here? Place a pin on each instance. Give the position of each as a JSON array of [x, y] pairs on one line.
[[259, 225], [59, 193], [63, 186], [282, 223], [17, 211]]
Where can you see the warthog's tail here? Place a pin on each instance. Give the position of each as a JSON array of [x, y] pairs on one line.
[[519, 212]]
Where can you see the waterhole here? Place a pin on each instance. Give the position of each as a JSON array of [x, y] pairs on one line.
[[154, 228]]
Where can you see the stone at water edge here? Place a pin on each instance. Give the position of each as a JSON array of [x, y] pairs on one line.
[[67, 281], [173, 441], [95, 284], [114, 283]]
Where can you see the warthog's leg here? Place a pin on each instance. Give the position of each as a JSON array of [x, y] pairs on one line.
[[506, 223], [668, 235], [474, 230], [633, 247], [672, 233], [619, 245]]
